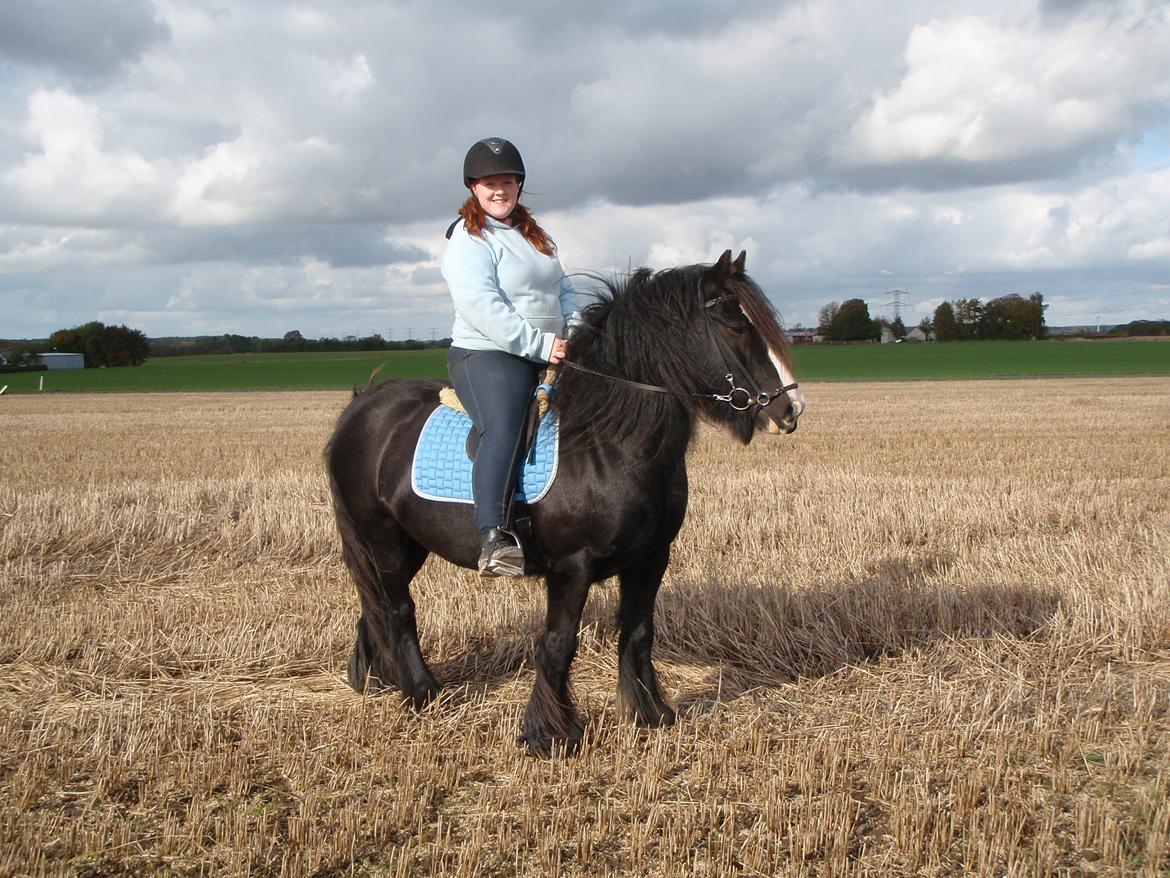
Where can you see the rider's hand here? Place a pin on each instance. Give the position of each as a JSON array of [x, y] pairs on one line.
[[558, 350]]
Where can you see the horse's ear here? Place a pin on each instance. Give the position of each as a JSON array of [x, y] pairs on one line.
[[723, 266], [740, 260]]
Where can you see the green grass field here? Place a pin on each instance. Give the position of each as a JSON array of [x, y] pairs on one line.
[[983, 359], [313, 371], [323, 371]]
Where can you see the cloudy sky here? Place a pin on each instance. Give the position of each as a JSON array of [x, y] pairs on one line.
[[257, 166]]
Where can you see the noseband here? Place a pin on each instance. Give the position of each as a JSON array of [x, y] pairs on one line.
[[739, 398]]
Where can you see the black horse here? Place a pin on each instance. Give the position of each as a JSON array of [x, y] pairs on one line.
[[652, 354]]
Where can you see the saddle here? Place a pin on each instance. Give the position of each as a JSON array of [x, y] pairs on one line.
[[441, 469]]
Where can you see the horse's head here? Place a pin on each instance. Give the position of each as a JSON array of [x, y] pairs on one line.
[[746, 343], [703, 336]]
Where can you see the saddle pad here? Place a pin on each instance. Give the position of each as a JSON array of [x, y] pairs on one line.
[[442, 470]]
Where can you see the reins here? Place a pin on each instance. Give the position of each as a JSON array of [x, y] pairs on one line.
[[739, 398]]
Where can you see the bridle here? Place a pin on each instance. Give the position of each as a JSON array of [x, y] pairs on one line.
[[739, 398]]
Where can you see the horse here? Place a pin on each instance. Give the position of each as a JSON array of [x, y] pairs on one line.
[[655, 353]]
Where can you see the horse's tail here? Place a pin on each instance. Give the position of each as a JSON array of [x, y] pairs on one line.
[[356, 553], [364, 671]]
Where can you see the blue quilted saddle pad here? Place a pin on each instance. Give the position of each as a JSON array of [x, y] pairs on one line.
[[442, 470]]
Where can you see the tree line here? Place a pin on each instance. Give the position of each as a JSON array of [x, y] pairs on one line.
[[1142, 327], [850, 321], [102, 346], [293, 341], [122, 346], [1008, 317]]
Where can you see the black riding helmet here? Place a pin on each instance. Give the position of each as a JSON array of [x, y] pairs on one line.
[[492, 155]]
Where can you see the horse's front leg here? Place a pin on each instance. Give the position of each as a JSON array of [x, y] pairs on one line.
[[638, 694], [550, 718]]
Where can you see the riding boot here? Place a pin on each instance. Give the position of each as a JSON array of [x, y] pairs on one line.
[[501, 555]]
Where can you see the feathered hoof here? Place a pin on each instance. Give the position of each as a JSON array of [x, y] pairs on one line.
[[548, 746], [664, 716], [420, 696], [360, 677]]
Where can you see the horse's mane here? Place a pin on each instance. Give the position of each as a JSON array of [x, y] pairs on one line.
[[643, 328]]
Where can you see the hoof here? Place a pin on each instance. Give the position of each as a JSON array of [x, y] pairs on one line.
[[546, 746], [664, 717], [362, 681], [420, 696], [647, 713]]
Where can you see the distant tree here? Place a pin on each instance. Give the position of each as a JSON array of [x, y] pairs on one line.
[[103, 345], [1000, 318], [293, 341], [123, 346], [897, 327], [968, 315], [946, 328], [1143, 327], [1034, 325], [825, 317], [926, 326], [1013, 317], [853, 323]]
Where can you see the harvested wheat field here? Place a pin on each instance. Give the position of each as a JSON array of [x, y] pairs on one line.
[[927, 634]]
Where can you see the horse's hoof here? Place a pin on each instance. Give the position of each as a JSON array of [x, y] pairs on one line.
[[667, 717], [365, 683], [546, 746], [421, 696]]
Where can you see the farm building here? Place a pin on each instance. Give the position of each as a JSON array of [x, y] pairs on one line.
[[800, 335], [917, 334], [62, 361]]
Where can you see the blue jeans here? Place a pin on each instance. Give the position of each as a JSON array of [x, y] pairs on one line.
[[496, 389]]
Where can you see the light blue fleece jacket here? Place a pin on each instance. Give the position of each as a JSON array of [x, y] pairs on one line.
[[508, 295]]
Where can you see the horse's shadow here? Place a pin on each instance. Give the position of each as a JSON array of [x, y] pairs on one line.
[[816, 632], [759, 634]]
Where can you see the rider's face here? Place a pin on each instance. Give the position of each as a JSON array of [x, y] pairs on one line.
[[497, 194]]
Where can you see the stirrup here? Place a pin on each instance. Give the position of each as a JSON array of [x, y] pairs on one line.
[[501, 554]]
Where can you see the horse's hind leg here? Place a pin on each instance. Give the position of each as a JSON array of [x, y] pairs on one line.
[[386, 651], [638, 694], [550, 719]]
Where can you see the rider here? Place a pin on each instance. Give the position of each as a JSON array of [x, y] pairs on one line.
[[513, 305]]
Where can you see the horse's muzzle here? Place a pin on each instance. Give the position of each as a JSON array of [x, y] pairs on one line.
[[778, 418]]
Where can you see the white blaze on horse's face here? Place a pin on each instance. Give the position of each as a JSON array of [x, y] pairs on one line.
[[786, 378]]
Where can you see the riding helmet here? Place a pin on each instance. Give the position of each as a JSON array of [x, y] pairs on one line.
[[492, 155]]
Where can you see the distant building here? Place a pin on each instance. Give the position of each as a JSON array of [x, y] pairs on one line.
[[5, 357], [800, 335], [62, 361], [917, 334]]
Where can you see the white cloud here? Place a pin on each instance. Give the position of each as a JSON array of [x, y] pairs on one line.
[[255, 167], [72, 175], [986, 92]]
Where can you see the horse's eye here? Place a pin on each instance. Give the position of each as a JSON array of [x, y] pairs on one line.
[[737, 328]]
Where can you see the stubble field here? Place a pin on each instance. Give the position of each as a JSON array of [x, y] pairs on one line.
[[927, 634]]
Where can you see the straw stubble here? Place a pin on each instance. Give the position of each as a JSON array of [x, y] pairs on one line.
[[926, 634]]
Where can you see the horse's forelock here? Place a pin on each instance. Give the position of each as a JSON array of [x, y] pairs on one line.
[[766, 321]]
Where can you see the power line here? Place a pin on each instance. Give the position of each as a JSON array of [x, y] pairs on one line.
[[898, 303]]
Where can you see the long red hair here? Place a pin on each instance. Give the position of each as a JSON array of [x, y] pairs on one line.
[[474, 219]]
